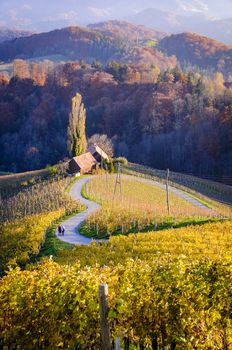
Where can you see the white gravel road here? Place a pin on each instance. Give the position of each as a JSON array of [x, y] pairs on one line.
[[73, 224]]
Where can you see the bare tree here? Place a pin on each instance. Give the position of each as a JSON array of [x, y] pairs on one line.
[[104, 142]]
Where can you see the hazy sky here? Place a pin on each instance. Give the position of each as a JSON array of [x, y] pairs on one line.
[[49, 14]]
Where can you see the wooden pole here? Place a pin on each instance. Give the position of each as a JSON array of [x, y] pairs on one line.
[[107, 178], [106, 343], [167, 191], [118, 182]]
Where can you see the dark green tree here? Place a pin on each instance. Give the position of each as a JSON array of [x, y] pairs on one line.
[[76, 141]]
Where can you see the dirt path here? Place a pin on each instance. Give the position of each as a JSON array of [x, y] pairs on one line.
[[73, 224]]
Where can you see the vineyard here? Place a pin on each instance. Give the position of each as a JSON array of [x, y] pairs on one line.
[[212, 242], [169, 289], [15, 180], [161, 304], [26, 212], [22, 239], [41, 197], [216, 194], [143, 207]]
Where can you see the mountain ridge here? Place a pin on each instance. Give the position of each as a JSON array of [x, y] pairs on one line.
[[124, 28], [7, 34], [174, 22], [77, 43], [32, 15], [107, 43]]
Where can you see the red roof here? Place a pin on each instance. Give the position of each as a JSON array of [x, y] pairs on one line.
[[85, 160]]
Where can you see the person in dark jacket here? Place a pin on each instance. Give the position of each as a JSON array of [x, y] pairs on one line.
[[59, 230], [62, 230]]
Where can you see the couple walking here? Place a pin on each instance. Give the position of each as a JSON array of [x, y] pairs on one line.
[[61, 230]]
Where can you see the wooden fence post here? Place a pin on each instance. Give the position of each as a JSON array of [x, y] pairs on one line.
[[106, 343]]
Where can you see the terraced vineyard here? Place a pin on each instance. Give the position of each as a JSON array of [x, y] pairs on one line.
[[142, 207], [25, 214], [211, 241], [218, 195], [168, 289]]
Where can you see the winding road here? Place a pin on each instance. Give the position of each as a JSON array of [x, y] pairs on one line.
[[196, 203], [73, 224]]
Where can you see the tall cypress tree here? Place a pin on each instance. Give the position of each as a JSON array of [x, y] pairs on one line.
[[76, 141]]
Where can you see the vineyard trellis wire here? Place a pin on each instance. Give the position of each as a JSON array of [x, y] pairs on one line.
[[42, 197], [143, 208], [196, 186]]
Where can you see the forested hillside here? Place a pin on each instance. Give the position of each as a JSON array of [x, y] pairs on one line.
[[129, 32], [165, 101], [199, 51], [125, 43], [170, 119], [75, 43]]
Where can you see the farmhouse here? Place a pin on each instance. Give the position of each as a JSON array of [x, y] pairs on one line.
[[87, 162], [97, 153], [83, 164]]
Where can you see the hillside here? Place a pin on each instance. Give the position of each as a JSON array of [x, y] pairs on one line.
[[127, 31], [123, 42], [10, 34], [77, 43], [72, 42], [198, 50], [173, 119], [170, 281], [146, 56]]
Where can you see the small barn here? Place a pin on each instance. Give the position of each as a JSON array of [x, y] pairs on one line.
[[98, 153], [83, 164]]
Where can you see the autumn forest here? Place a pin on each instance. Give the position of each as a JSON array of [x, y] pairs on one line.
[[159, 109]]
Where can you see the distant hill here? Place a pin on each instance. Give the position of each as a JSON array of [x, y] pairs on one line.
[[198, 50], [47, 15], [218, 29], [174, 21], [127, 31], [106, 42], [10, 34], [158, 19], [75, 43], [72, 42]]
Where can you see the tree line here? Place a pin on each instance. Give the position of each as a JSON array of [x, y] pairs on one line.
[[171, 118]]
